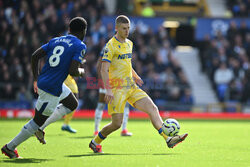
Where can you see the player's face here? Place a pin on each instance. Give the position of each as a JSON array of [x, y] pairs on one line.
[[123, 30]]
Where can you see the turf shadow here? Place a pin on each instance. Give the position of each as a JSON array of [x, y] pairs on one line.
[[165, 154], [59, 134], [82, 137], [25, 160], [105, 154]]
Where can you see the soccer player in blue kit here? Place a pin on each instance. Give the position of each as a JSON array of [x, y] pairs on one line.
[[64, 56]]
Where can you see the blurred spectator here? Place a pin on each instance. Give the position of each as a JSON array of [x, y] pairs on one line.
[[8, 92], [247, 43], [239, 8], [23, 95], [187, 97], [222, 78], [234, 91], [232, 31], [147, 10], [246, 88]]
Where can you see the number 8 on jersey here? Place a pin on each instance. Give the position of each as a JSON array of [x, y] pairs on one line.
[[54, 59]]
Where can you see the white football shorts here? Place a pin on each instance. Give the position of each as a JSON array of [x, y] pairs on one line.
[[47, 103]]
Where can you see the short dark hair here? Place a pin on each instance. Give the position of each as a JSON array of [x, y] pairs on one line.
[[77, 24], [122, 19]]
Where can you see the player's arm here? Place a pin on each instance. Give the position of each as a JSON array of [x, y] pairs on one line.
[[84, 61], [38, 54], [105, 77], [75, 69], [98, 66], [136, 77], [78, 58]]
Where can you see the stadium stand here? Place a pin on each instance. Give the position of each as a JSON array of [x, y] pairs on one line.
[[25, 25], [225, 58], [239, 8]]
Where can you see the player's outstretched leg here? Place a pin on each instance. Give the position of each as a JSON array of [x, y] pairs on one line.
[[146, 105], [27, 131], [95, 144], [125, 131]]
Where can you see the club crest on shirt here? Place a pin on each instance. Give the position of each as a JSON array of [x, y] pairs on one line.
[[83, 52]]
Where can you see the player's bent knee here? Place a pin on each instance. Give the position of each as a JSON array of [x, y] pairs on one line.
[[117, 125], [70, 102], [74, 105], [155, 108], [150, 107], [39, 119]]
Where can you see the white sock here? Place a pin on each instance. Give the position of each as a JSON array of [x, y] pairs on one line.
[[98, 115], [95, 142], [168, 139], [125, 116], [28, 130], [59, 112]]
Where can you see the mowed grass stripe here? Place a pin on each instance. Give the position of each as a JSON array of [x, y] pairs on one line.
[[210, 143]]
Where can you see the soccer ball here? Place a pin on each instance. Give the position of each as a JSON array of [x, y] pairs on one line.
[[171, 127]]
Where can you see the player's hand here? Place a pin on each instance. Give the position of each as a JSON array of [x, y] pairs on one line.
[[109, 96], [35, 87], [139, 81], [83, 61], [81, 72]]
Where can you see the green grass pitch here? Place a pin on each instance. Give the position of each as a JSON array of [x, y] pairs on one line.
[[210, 143]]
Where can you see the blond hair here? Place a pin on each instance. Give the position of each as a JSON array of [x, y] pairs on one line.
[[122, 19]]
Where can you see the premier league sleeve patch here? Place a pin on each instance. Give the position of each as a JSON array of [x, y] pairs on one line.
[[106, 50], [83, 52], [82, 55]]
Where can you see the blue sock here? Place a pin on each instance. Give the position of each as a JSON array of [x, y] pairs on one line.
[[160, 130]]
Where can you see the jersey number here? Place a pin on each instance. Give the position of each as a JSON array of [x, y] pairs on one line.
[[54, 59]]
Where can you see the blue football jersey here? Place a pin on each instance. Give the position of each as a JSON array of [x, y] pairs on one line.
[[60, 52]]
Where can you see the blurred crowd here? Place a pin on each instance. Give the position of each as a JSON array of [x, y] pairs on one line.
[[239, 8], [26, 25], [226, 61]]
